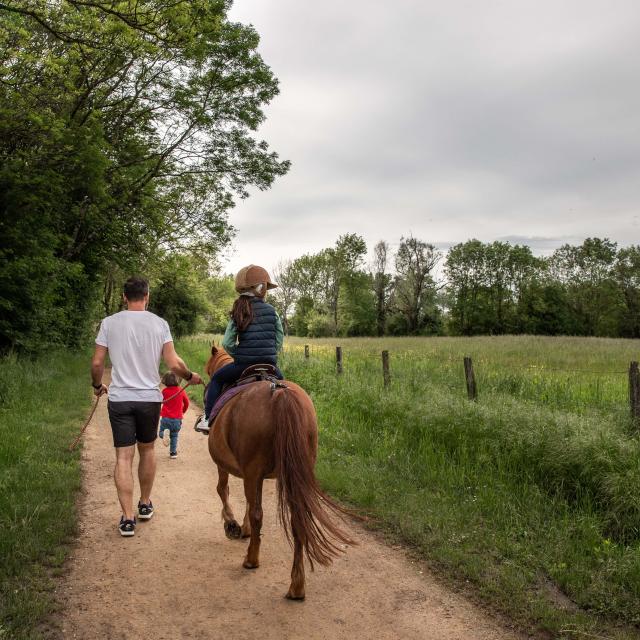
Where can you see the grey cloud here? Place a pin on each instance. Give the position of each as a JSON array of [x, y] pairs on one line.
[[450, 121]]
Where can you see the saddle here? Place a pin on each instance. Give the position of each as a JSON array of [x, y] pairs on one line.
[[253, 373], [256, 373]]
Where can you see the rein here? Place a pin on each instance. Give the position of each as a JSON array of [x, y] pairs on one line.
[[74, 444], [177, 393]]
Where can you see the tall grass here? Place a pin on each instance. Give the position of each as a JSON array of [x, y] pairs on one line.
[[531, 495], [42, 404]]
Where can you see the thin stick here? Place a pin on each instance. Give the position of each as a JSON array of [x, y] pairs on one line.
[[74, 444]]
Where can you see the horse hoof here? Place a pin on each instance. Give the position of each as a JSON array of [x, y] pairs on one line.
[[232, 530], [291, 596], [250, 565]]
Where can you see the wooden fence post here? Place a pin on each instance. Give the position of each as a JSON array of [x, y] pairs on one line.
[[634, 390], [306, 351], [339, 359], [385, 368], [472, 390]]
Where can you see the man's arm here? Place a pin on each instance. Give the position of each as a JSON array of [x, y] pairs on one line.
[[177, 365], [97, 370]]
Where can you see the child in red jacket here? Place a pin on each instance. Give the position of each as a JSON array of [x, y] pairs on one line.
[[172, 412]]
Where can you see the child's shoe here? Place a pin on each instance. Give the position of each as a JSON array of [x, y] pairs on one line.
[[165, 437], [173, 456], [202, 424]]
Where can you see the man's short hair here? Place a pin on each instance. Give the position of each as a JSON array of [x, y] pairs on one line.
[[136, 288]]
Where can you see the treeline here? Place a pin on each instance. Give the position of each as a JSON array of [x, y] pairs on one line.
[[126, 133], [592, 289]]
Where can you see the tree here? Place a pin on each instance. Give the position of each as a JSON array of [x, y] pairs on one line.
[[318, 279], [382, 284], [126, 129], [340, 264], [466, 278], [178, 293], [220, 295], [284, 296], [357, 306], [587, 273], [485, 284], [626, 273], [415, 287]]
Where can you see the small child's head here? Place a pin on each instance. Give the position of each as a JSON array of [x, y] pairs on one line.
[[251, 282], [170, 379]]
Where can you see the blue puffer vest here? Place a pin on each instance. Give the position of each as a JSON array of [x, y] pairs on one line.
[[257, 344]]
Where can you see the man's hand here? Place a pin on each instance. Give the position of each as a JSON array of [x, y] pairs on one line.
[[195, 378], [97, 371], [177, 365]]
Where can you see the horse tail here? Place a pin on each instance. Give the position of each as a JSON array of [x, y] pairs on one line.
[[303, 509]]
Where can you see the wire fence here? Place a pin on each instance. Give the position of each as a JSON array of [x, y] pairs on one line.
[[570, 387]]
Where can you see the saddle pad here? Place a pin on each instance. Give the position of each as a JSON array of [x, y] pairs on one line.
[[224, 398]]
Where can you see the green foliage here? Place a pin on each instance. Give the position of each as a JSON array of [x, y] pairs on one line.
[[178, 295], [319, 280], [486, 283], [414, 291], [221, 294], [42, 405], [125, 131], [587, 274], [356, 306], [627, 278]]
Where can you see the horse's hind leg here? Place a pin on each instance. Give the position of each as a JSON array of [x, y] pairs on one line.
[[296, 589], [231, 527], [246, 523], [253, 493]]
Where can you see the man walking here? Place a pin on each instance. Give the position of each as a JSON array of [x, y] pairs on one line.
[[136, 340]]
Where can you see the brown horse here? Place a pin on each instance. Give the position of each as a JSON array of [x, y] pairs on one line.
[[266, 432]]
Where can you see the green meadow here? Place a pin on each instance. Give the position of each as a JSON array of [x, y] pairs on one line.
[[528, 499]]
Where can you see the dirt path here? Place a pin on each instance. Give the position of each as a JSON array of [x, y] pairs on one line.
[[179, 577]]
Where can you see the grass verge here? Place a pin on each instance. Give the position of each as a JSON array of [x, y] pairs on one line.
[[42, 405]]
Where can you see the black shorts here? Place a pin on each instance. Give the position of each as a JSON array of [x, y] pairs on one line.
[[131, 421]]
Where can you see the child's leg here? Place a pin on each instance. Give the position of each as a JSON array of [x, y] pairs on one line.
[[161, 429], [173, 436], [213, 393], [228, 373]]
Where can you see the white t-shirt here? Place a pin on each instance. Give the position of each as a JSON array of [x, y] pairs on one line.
[[134, 340]]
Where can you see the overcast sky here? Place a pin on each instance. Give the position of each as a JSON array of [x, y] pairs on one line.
[[516, 120]]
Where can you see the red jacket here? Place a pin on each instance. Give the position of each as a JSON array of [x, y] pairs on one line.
[[176, 407]]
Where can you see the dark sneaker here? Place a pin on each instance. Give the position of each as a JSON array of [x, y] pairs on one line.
[[173, 456], [127, 528], [145, 511]]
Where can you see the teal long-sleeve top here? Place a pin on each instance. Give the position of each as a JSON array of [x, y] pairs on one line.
[[230, 339]]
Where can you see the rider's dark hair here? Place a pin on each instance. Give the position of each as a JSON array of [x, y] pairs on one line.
[[242, 312], [170, 379], [136, 288]]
